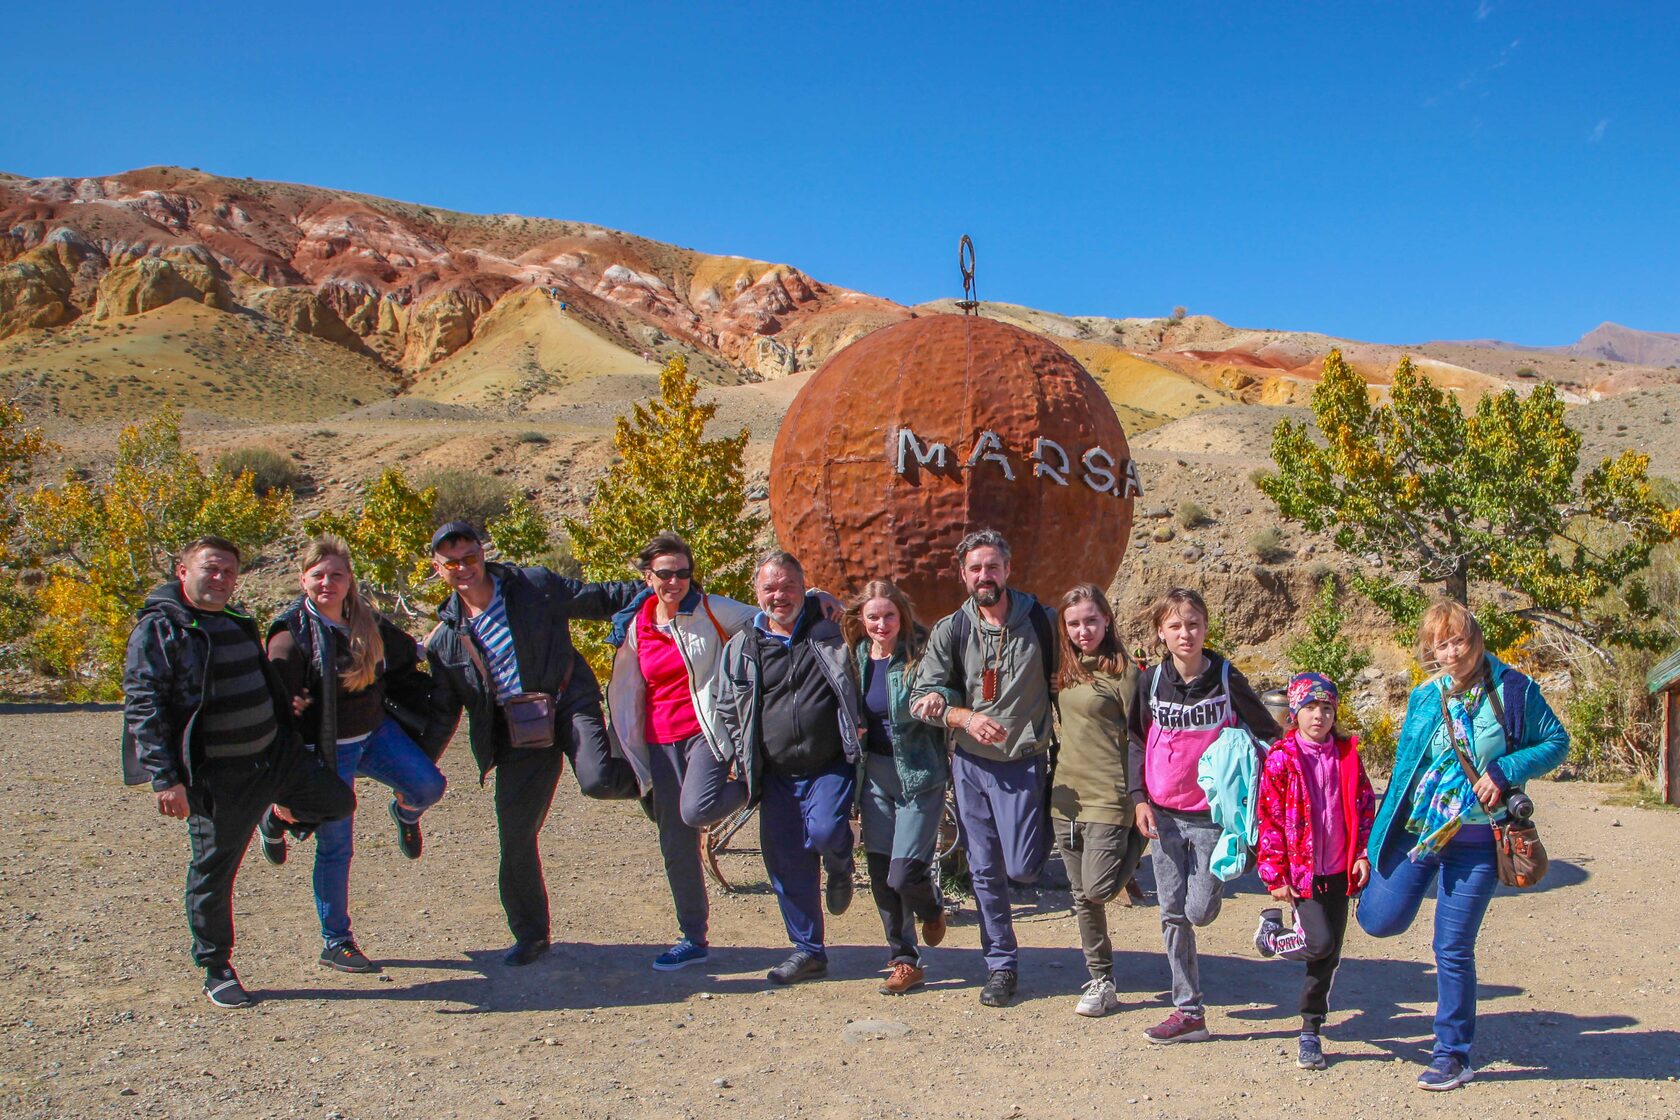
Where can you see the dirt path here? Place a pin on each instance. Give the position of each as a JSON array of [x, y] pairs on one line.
[[101, 1016]]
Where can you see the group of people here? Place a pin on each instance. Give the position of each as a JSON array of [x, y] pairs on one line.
[[813, 710]]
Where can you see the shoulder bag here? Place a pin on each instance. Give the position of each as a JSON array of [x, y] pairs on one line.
[[1521, 857]]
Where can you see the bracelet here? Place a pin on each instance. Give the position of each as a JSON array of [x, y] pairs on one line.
[[968, 723]]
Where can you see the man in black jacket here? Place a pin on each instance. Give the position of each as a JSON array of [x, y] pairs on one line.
[[207, 722], [505, 631]]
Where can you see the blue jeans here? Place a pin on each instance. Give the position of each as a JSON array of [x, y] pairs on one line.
[[1468, 874], [805, 824], [388, 756]]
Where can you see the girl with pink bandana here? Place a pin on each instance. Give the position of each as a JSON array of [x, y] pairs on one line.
[[1315, 810]]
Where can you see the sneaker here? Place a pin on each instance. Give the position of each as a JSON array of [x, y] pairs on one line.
[[1178, 1027], [222, 988], [1445, 1072], [680, 955], [1271, 921], [1310, 1054], [273, 835], [837, 894], [904, 977], [1000, 988], [800, 966], [523, 953], [933, 930], [408, 834], [345, 957], [1099, 999]]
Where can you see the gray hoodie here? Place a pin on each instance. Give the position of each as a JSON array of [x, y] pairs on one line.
[[1022, 703]]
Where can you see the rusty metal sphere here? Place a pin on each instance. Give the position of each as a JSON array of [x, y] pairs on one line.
[[1030, 446]]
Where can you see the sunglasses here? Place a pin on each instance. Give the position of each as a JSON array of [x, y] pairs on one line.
[[663, 574], [464, 562]]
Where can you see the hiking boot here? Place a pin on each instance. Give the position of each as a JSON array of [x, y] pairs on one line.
[[1444, 1073], [408, 834], [1271, 924], [904, 977], [800, 966], [523, 953], [933, 930], [1099, 998], [273, 835], [1310, 1054], [222, 988], [1178, 1027], [837, 893], [684, 953], [345, 957], [1000, 988]]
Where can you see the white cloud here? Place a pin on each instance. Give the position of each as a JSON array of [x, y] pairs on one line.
[[1484, 10], [1597, 132]]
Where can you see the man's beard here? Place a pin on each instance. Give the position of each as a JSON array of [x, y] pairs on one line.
[[986, 595]]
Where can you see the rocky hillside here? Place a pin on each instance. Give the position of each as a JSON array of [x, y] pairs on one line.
[[404, 285]]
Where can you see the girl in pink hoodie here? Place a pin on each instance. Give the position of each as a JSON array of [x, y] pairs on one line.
[[1315, 811]]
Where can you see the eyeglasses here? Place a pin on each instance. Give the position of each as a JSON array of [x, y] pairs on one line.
[[1451, 645], [470, 561], [663, 574]]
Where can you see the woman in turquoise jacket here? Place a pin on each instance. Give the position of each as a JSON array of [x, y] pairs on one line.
[[1433, 821], [902, 777]]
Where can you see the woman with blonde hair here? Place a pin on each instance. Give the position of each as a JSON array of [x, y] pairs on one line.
[[1090, 803], [351, 673], [901, 778], [1434, 822]]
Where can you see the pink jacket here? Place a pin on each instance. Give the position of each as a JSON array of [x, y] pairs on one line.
[[1286, 834]]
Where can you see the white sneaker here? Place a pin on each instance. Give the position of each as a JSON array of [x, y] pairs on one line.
[[1098, 999]]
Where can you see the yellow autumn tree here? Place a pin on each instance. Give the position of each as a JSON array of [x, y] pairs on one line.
[[20, 446], [108, 540], [668, 477]]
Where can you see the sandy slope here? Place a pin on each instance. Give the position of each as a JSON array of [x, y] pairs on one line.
[[1580, 1015]]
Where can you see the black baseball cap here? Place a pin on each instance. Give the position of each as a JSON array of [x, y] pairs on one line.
[[452, 529]]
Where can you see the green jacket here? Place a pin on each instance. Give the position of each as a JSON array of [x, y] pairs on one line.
[[918, 748]]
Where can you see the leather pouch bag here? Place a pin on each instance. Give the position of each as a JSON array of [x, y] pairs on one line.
[[530, 720], [1520, 857]]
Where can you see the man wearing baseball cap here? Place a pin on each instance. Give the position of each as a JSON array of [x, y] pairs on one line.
[[502, 651]]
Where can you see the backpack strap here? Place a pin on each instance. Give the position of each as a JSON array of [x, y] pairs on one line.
[[1043, 629], [706, 601], [1515, 688], [956, 679]]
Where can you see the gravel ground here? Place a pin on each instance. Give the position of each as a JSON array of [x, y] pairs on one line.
[[102, 1014]]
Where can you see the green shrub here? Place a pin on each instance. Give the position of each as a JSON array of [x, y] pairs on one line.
[[467, 496], [532, 437], [1615, 725], [1193, 516], [1268, 546], [270, 470], [1322, 649]]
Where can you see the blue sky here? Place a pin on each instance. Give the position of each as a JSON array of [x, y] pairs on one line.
[[1392, 172]]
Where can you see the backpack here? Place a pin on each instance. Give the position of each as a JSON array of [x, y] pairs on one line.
[[1043, 630]]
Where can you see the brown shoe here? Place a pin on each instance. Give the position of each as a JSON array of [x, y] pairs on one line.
[[933, 930], [905, 977]]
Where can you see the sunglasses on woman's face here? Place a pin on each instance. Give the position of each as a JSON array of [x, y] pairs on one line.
[[667, 574], [468, 561]]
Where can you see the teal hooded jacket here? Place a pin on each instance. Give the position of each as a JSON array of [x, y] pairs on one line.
[[1543, 747]]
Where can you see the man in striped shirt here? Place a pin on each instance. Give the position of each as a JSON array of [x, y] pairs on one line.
[[503, 632]]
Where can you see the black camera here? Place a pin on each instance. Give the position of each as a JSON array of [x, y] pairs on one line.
[[1519, 805]]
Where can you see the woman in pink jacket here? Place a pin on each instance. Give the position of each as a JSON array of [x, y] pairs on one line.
[[1315, 811]]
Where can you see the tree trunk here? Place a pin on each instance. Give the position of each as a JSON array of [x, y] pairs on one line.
[[1458, 585]]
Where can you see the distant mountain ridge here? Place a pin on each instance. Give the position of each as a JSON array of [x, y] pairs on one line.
[[166, 285], [1608, 341]]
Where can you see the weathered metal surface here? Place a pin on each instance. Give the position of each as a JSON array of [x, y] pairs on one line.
[[840, 503]]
